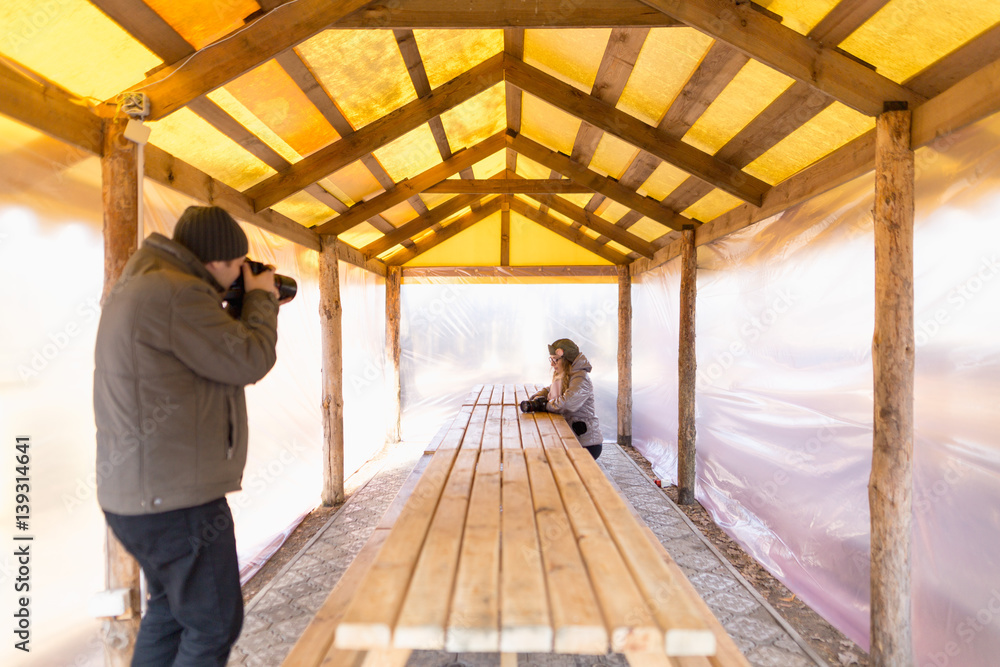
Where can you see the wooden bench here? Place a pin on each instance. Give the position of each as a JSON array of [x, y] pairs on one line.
[[512, 540]]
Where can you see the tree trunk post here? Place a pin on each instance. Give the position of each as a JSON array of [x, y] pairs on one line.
[[624, 355], [393, 276], [333, 372], [890, 486], [120, 195], [686, 372]]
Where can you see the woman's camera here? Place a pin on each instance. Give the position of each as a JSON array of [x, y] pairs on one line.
[[534, 405]]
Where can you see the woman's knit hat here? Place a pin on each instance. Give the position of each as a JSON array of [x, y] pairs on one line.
[[211, 234], [569, 348]]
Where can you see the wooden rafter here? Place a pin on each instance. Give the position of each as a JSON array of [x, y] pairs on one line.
[[226, 59], [585, 218], [960, 63], [606, 186], [448, 231], [140, 21], [508, 186], [843, 19], [626, 127], [567, 232], [408, 230], [792, 54], [405, 189], [513, 46], [376, 134]]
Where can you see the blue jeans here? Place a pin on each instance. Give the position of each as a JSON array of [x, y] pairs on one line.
[[195, 608]]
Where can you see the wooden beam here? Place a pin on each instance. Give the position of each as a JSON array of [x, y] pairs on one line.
[[393, 276], [447, 232], [49, 109], [376, 134], [624, 356], [969, 100], [513, 45], [687, 373], [414, 227], [418, 75], [518, 14], [142, 22], [567, 232], [507, 186], [505, 235], [606, 186], [792, 54], [597, 223], [228, 58], [512, 272], [959, 64], [890, 488], [330, 314], [407, 188], [843, 19], [634, 131], [715, 71]]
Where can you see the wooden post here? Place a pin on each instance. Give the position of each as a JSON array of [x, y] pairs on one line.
[[624, 355], [119, 192], [505, 232], [890, 486], [686, 372], [393, 276], [333, 372]]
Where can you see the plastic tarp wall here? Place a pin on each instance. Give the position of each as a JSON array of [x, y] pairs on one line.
[[51, 255], [458, 333], [785, 316]]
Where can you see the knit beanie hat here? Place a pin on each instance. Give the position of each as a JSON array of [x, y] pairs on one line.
[[211, 234], [569, 348]]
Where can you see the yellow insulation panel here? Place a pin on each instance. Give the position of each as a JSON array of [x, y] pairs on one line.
[[711, 206], [448, 53], [232, 106], [664, 180], [190, 138], [612, 156], [433, 200], [489, 167], [360, 235], [800, 15], [476, 119], [400, 213], [362, 70], [356, 182], [906, 36], [304, 209], [201, 23], [530, 169], [533, 245], [667, 59], [612, 211], [478, 245], [411, 154], [548, 125], [831, 128], [648, 229], [749, 93], [572, 56], [75, 45]]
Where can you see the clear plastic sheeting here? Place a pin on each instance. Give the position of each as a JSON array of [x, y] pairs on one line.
[[785, 316], [457, 334]]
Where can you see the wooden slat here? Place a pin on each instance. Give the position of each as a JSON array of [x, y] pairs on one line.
[[418, 75], [529, 429], [497, 398], [685, 631], [484, 397], [395, 508], [456, 431], [473, 395], [218, 63], [505, 234], [492, 433], [376, 134], [697, 163], [975, 97], [368, 621], [521, 394], [577, 623], [452, 229], [525, 623], [411, 186], [507, 186], [567, 232], [416, 226], [438, 438], [508, 394], [474, 622], [474, 432], [565, 432], [510, 432], [789, 52]]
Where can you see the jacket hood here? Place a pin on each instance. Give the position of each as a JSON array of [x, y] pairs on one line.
[[581, 363], [174, 253]]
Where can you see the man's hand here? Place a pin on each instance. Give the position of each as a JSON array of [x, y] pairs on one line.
[[263, 280]]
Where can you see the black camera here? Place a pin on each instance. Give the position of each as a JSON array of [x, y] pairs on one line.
[[534, 405], [287, 288]]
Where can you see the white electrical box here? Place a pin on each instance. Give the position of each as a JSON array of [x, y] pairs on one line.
[[110, 604]]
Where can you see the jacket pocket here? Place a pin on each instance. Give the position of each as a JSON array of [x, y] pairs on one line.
[[232, 431]]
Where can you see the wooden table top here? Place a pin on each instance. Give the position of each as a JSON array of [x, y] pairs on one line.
[[513, 540]]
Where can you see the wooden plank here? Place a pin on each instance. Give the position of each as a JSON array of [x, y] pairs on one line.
[[416, 226], [369, 620], [507, 186], [629, 620], [521, 394], [685, 631], [473, 395], [494, 424], [715, 71], [226, 59], [424, 613], [530, 438], [510, 432], [447, 232], [474, 622], [577, 624], [525, 623], [456, 431], [505, 235], [477, 423], [386, 657], [395, 508], [567, 232], [973, 98], [508, 394], [697, 163], [789, 52], [484, 398], [418, 75], [565, 432], [376, 134], [606, 186]]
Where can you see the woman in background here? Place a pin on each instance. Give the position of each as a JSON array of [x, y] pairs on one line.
[[572, 393]]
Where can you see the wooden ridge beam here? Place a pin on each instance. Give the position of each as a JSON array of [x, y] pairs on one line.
[[405, 189], [354, 146], [606, 186], [508, 186], [598, 224], [235, 54], [410, 229], [448, 231], [790, 53], [628, 128], [567, 232]]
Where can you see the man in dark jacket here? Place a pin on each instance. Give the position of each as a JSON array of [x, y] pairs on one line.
[[171, 365]]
